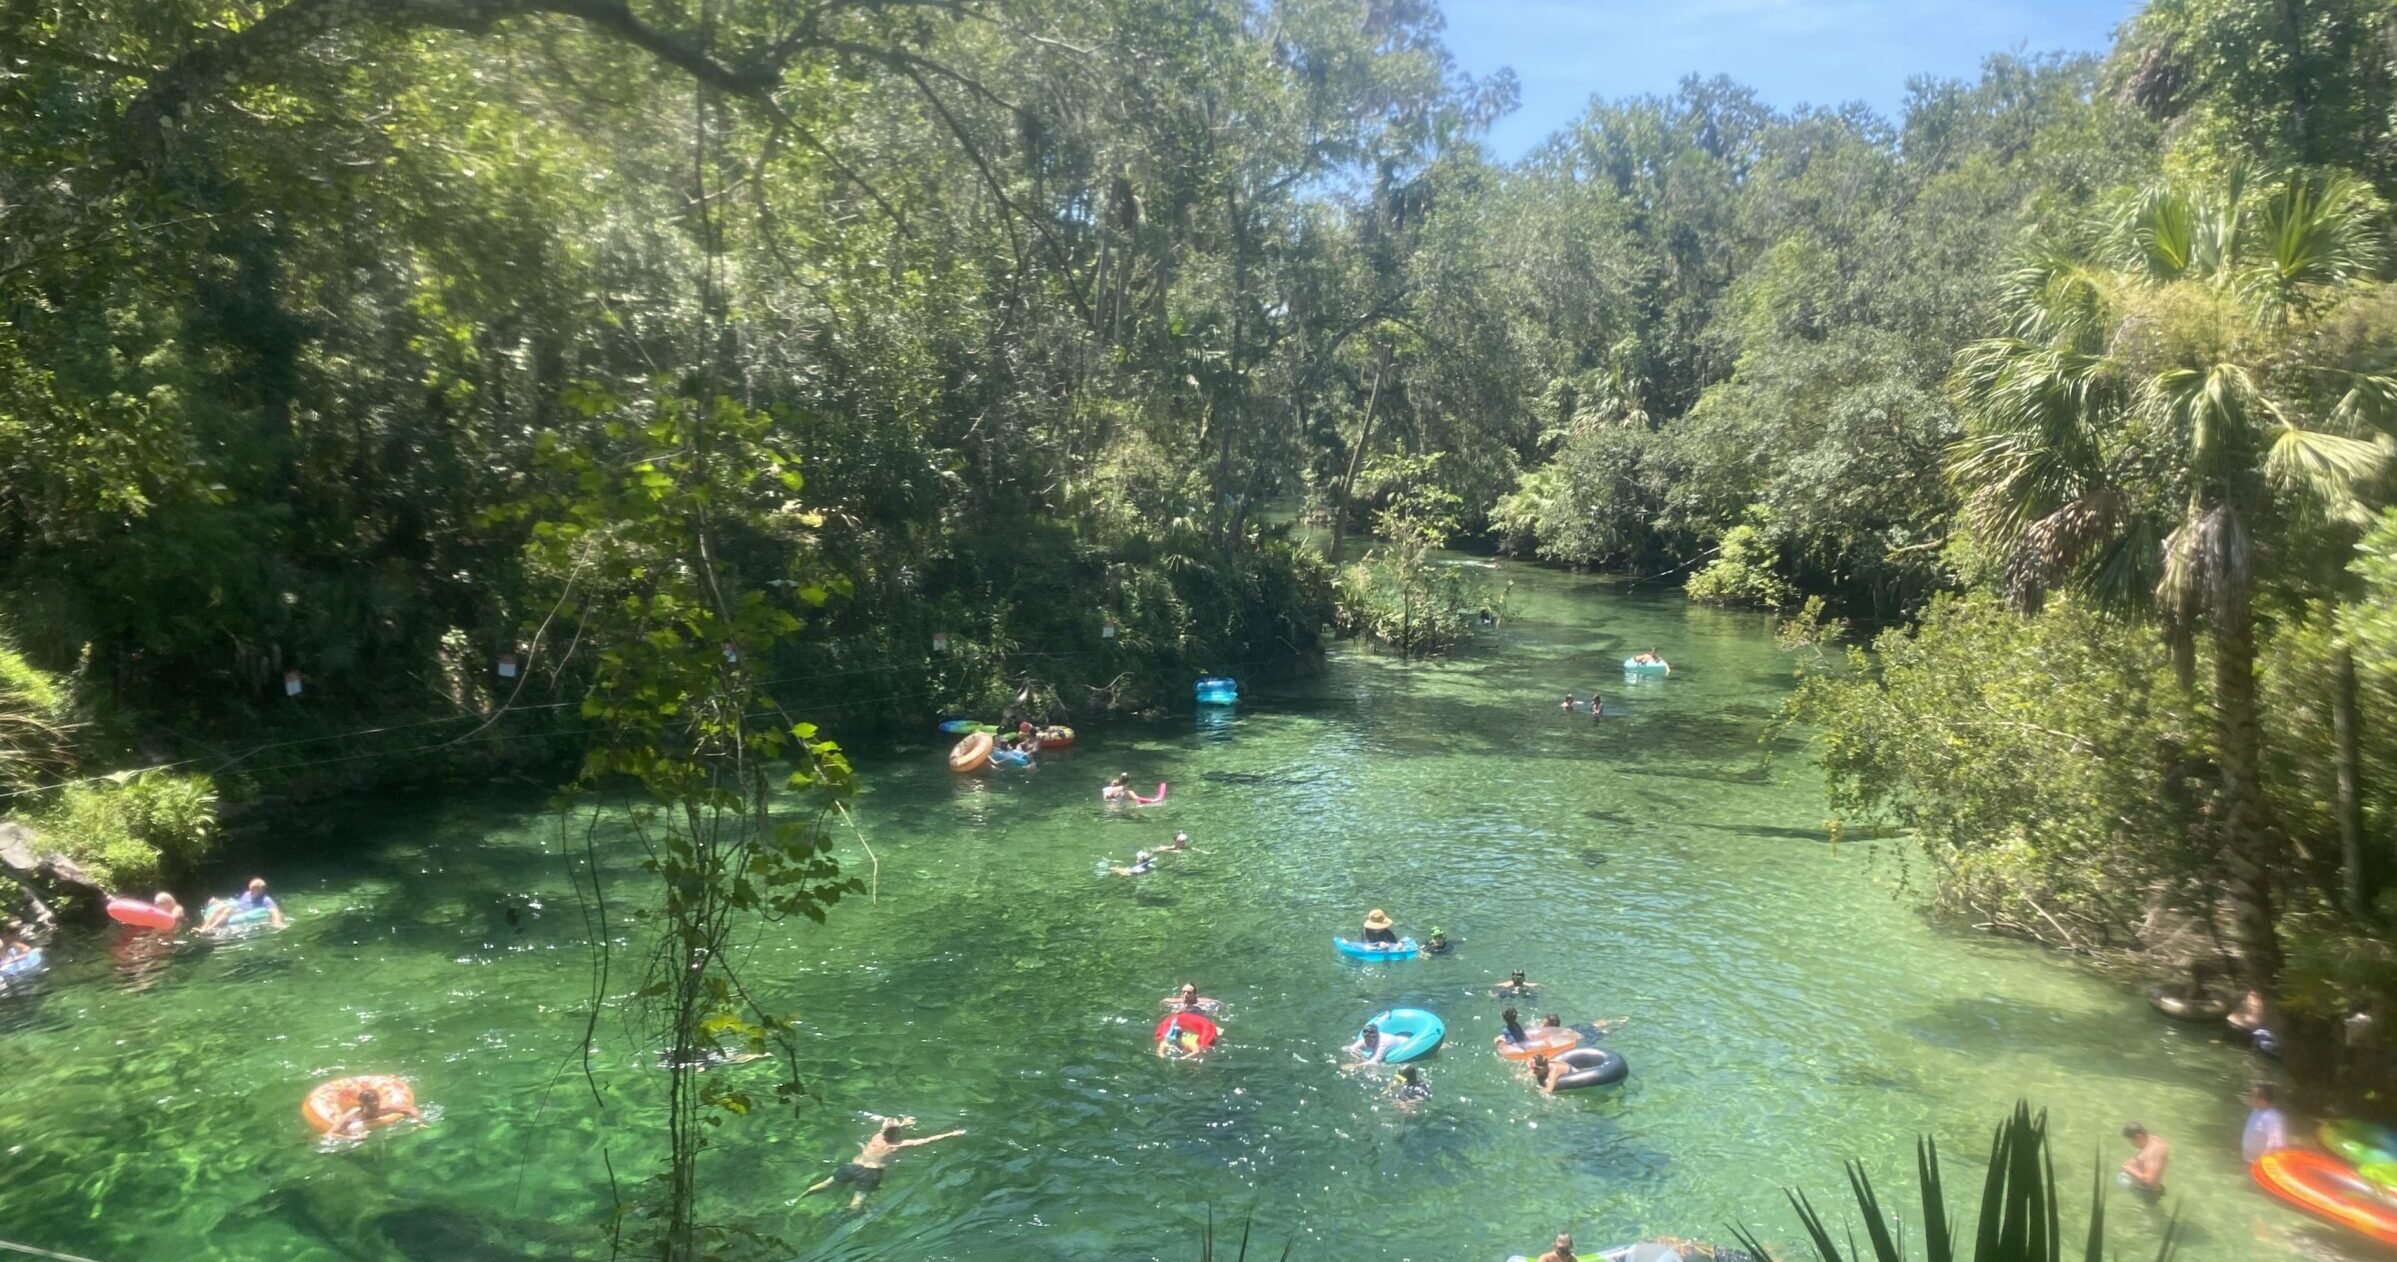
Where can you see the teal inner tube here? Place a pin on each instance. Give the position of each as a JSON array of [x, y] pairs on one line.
[[1418, 1034], [1403, 949], [1217, 690], [1589, 1067], [1634, 666]]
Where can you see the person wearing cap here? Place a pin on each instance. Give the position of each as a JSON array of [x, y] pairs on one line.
[[1563, 1252], [2144, 1171], [1377, 929], [1437, 943], [1408, 1088], [1143, 863], [1368, 1048]]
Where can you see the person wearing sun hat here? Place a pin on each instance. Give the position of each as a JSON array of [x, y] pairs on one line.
[[1377, 929]]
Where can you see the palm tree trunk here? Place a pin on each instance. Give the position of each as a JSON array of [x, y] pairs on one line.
[[2362, 885], [2247, 855]]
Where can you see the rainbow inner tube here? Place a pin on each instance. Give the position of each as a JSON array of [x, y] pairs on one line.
[[1403, 949], [2360, 1143], [2322, 1187], [1186, 1034], [1408, 1033], [1588, 1067]]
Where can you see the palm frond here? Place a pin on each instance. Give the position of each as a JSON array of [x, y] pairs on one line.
[[2319, 231], [2326, 468]]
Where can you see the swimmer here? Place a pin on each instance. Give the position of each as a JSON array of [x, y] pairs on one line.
[[251, 899], [1120, 790], [1552, 1022], [1437, 943], [1408, 1088], [1597, 706], [1563, 1252], [165, 902], [1514, 1035], [1369, 1047], [1377, 929], [1181, 842], [1545, 1073], [1515, 987], [1143, 863], [1190, 1000], [1567, 704], [866, 1172], [369, 1110]]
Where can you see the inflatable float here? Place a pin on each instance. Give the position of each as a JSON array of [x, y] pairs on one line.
[[2382, 1175], [1634, 666], [2184, 1008], [1589, 1067], [240, 919], [1546, 1040], [1056, 737], [23, 966], [139, 914], [1418, 1034], [1186, 1034], [2328, 1190], [325, 1105], [970, 754], [1217, 690], [1403, 949], [2360, 1144], [1003, 757], [962, 727]]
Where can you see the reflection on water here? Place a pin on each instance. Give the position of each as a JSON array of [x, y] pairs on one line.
[[1782, 1007]]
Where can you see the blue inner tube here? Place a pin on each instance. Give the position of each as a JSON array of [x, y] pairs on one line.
[[239, 918], [1589, 1067], [1217, 690], [1418, 1033], [1011, 757], [25, 965], [1634, 666], [1404, 950]]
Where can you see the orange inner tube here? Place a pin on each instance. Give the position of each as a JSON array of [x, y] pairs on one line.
[[1546, 1040], [2325, 1187], [1056, 737], [325, 1105], [970, 754]]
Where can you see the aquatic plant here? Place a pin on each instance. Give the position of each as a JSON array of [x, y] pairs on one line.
[[2020, 1212]]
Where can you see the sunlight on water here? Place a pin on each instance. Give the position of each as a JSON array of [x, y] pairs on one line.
[[1782, 1007]]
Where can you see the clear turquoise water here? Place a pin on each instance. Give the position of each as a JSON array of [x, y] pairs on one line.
[[1783, 1007]]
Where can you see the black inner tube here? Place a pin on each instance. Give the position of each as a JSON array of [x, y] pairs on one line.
[[1591, 1067]]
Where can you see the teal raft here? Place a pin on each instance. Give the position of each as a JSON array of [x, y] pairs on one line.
[[1418, 1034], [1634, 666], [1404, 949]]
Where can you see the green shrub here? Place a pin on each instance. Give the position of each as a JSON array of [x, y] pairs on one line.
[[1742, 572], [127, 831]]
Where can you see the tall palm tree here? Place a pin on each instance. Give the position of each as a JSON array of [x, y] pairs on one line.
[[2155, 403]]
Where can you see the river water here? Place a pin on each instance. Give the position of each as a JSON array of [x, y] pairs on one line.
[[1781, 1004]]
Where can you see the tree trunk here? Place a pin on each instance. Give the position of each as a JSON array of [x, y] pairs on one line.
[[1356, 455], [2247, 852], [2361, 887]]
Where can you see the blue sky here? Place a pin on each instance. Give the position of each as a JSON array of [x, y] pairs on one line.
[[1820, 52]]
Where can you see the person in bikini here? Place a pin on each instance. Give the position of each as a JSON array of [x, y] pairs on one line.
[[866, 1172]]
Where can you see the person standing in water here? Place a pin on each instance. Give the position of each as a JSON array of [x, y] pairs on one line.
[[1567, 704], [872, 1160], [2267, 1127], [1597, 706], [2144, 1172]]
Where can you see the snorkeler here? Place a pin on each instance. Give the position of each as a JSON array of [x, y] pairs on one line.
[[866, 1172]]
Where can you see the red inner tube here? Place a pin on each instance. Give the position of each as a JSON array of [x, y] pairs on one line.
[[1188, 1025]]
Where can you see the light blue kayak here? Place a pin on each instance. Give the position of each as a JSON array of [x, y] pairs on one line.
[[1404, 950], [1418, 1034]]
